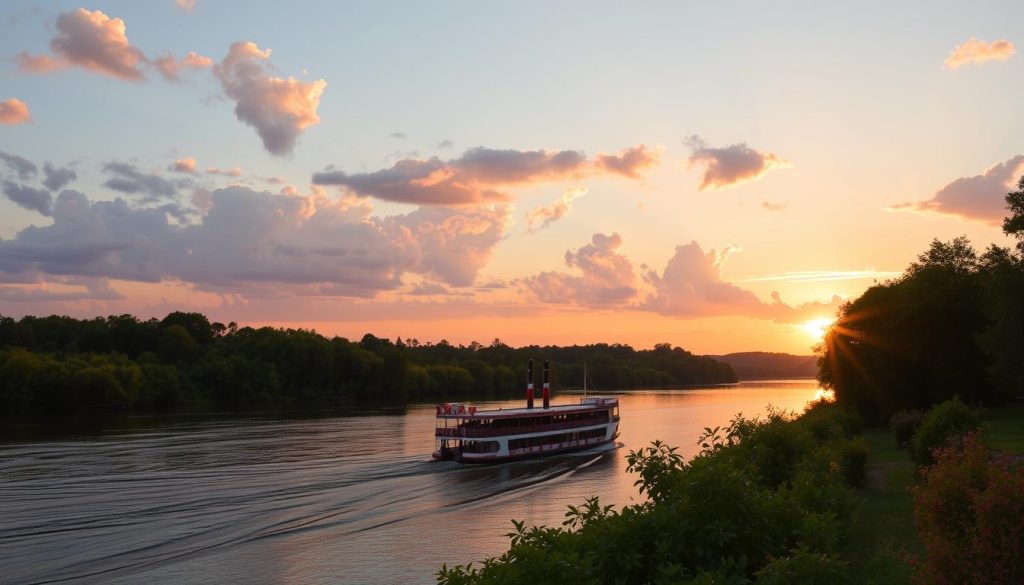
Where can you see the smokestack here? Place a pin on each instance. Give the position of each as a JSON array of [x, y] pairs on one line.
[[547, 386], [529, 384]]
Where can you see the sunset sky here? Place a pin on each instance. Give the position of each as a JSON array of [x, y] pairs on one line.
[[713, 175]]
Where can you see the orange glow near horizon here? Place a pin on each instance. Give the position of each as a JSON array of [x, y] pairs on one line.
[[816, 328]]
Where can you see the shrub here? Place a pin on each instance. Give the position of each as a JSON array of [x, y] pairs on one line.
[[943, 422], [805, 567], [904, 424], [969, 512]]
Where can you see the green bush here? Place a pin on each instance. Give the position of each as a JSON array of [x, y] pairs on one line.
[[766, 499], [945, 421], [904, 424]]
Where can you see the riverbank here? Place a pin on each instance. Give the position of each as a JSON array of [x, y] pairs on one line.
[[884, 539]]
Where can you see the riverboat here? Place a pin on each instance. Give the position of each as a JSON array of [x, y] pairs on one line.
[[468, 435]]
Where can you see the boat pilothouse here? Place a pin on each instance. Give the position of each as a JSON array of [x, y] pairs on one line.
[[468, 435]]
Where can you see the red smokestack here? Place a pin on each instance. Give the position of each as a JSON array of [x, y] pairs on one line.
[[547, 387], [529, 384]]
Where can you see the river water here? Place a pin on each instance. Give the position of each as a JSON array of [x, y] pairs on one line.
[[351, 499]]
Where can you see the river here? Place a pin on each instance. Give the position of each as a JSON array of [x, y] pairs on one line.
[[352, 499]]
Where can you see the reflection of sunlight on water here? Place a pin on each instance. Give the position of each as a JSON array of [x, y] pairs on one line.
[[825, 394]]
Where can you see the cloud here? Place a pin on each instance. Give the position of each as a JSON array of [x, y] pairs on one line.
[[692, 286], [23, 167], [774, 206], [232, 172], [185, 5], [130, 180], [39, 64], [13, 111], [731, 165], [184, 165], [607, 278], [279, 109], [398, 135], [629, 162], [57, 178], [981, 197], [479, 175], [98, 43], [171, 68], [974, 51], [251, 242], [549, 214], [28, 197], [445, 144]]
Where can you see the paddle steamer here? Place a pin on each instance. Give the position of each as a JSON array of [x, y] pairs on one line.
[[468, 435]]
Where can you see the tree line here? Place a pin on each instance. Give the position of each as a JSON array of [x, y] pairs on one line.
[[951, 325], [60, 365]]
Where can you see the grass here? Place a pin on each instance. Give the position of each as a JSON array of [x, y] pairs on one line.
[[1004, 428], [883, 536]]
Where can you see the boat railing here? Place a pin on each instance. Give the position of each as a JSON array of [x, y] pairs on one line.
[[474, 432]]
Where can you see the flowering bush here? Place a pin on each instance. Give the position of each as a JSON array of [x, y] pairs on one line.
[[969, 512]]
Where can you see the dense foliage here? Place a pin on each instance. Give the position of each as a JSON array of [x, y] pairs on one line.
[[63, 365], [767, 499], [968, 511], [945, 421], [952, 324]]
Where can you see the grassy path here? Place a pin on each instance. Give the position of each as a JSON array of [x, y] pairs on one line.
[[883, 535]]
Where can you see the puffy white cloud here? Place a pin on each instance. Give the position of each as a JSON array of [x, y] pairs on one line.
[[981, 197], [14, 111], [279, 109], [481, 174], [28, 197], [548, 214], [607, 277], [974, 51], [731, 165]]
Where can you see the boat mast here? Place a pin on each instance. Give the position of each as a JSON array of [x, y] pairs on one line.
[[584, 378]]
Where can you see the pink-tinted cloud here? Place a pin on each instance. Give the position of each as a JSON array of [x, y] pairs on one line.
[[171, 68], [185, 5], [692, 286], [14, 111], [184, 165], [232, 172], [279, 109], [479, 175], [607, 277], [974, 51], [28, 63], [981, 197], [98, 43], [250, 242], [629, 162], [541, 217], [731, 165]]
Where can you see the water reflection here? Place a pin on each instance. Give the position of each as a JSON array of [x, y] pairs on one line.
[[351, 499]]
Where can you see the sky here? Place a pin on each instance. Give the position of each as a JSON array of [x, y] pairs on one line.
[[713, 175]]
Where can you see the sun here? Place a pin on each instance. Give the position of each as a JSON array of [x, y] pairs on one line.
[[816, 328]]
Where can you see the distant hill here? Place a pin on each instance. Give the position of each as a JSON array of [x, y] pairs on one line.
[[762, 365]]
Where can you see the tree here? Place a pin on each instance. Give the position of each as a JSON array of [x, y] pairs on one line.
[[1013, 225]]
